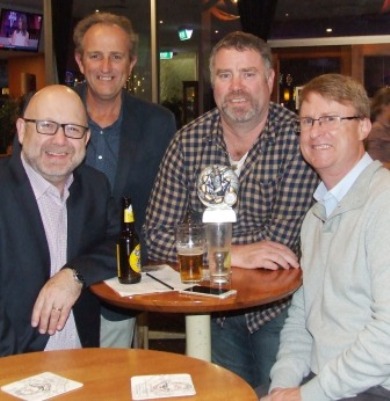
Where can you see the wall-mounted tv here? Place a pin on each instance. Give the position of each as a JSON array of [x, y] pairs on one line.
[[20, 30]]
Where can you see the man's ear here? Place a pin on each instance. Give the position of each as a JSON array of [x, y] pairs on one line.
[[133, 62], [270, 79], [364, 128], [21, 129], [88, 136], [78, 58]]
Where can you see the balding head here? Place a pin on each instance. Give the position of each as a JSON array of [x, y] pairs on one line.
[[56, 99], [53, 156]]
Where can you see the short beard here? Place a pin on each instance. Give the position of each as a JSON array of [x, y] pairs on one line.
[[238, 117]]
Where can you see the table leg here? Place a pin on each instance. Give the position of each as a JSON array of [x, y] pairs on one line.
[[198, 333]]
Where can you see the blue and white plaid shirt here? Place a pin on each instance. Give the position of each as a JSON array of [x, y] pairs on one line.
[[275, 189]]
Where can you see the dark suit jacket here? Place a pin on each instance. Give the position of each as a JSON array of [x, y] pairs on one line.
[[146, 131], [24, 254]]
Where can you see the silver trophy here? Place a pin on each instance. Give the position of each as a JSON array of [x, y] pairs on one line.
[[217, 188]]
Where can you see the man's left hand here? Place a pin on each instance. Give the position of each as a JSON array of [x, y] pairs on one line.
[[55, 301]]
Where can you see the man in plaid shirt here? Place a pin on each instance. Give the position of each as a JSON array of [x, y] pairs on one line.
[[258, 139]]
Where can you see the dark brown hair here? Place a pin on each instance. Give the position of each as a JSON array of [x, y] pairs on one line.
[[380, 99], [241, 41]]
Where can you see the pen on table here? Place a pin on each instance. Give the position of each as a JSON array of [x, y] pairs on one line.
[[160, 281]]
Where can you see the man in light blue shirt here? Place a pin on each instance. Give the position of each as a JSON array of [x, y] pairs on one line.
[[336, 340]]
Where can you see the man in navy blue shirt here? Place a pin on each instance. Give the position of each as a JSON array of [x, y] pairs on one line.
[[128, 135]]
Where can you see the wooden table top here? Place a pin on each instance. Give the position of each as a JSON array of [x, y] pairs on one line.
[[106, 373], [254, 287]]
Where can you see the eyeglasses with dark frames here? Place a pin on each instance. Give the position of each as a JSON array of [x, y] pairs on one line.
[[47, 127], [327, 122]]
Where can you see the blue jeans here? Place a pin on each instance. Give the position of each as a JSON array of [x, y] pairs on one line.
[[250, 356]]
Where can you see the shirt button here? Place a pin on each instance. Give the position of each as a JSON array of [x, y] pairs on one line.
[[100, 157], [101, 132]]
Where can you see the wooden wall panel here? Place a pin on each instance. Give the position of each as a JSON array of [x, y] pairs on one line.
[[19, 66]]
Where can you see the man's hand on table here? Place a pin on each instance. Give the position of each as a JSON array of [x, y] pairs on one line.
[[55, 301], [283, 394], [267, 254]]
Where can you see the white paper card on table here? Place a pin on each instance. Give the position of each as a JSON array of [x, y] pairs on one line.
[[40, 387], [161, 386], [148, 285]]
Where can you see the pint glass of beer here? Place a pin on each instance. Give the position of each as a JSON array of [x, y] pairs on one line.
[[190, 246]]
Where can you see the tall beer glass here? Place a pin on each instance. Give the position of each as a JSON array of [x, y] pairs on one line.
[[190, 246]]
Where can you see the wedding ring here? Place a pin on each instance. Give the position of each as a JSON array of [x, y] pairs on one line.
[[56, 309]]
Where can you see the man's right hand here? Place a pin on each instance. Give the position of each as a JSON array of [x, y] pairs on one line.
[[283, 394], [267, 254], [55, 301]]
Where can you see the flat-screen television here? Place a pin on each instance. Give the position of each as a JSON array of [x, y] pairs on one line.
[[20, 30]]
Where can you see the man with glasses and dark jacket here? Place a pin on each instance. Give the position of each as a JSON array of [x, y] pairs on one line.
[[58, 226]]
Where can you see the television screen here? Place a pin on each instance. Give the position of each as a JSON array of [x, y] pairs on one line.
[[20, 30]]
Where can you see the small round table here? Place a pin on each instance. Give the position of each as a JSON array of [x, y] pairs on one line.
[[254, 287], [105, 373]]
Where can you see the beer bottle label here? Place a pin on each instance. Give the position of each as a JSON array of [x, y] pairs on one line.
[[135, 259], [128, 215]]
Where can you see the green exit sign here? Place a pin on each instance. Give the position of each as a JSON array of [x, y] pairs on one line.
[[166, 55]]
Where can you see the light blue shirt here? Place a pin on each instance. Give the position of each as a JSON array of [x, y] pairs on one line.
[[330, 199]]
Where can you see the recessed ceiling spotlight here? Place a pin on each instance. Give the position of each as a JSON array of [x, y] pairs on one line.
[[161, 21], [287, 15], [329, 30], [216, 32]]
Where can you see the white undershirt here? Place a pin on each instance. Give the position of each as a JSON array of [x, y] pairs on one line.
[[237, 164]]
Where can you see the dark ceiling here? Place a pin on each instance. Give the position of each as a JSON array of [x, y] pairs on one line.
[[293, 18], [297, 9]]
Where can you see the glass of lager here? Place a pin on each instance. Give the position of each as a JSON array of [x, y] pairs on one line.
[[190, 246]]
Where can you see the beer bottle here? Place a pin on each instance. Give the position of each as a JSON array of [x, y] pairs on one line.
[[128, 250]]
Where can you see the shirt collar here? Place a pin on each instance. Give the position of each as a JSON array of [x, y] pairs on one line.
[[91, 122], [330, 199]]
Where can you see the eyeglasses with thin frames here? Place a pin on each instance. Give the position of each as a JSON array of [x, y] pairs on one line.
[[326, 122], [47, 127]]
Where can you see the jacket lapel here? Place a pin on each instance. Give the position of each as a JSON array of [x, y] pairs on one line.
[[25, 195], [128, 147]]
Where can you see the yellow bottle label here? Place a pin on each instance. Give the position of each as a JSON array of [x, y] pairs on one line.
[[135, 259], [129, 215]]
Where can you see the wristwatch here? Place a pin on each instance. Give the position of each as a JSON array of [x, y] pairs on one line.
[[78, 277]]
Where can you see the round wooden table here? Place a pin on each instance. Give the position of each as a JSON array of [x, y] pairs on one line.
[[254, 287], [105, 373]]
